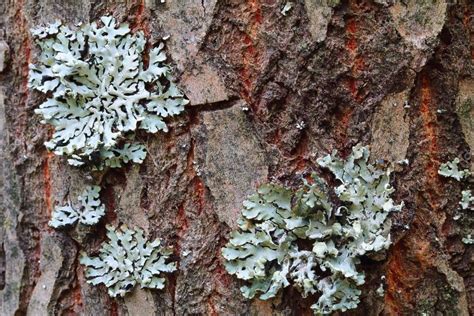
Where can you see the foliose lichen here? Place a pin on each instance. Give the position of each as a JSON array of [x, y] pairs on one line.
[[450, 169], [466, 200], [99, 90], [101, 85], [114, 157], [313, 239], [468, 240], [89, 212], [128, 259]]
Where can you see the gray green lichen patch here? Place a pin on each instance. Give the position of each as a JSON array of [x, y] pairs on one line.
[[450, 169], [114, 157], [89, 212], [100, 91], [468, 240], [128, 259], [467, 200], [311, 241]]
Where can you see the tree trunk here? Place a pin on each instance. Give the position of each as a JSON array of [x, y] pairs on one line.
[[395, 75]]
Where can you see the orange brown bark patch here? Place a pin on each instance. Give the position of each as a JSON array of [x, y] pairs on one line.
[[47, 183], [211, 308], [433, 185], [410, 260], [108, 195], [113, 308], [357, 65], [343, 119], [199, 194], [351, 46], [351, 29], [250, 55], [429, 125], [140, 20], [77, 293], [222, 277], [397, 278], [357, 62], [181, 221], [414, 255], [140, 23], [255, 6], [182, 227]]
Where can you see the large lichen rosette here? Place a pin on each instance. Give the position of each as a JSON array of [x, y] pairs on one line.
[[99, 88], [128, 259], [313, 238]]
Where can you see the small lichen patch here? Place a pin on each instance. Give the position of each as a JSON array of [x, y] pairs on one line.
[[466, 200], [128, 259], [380, 290], [89, 212], [468, 240], [450, 169], [99, 89], [286, 8], [268, 252]]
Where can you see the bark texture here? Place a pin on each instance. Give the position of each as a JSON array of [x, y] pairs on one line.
[[370, 72]]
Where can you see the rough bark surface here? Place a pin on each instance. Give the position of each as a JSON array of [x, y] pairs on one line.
[[370, 72]]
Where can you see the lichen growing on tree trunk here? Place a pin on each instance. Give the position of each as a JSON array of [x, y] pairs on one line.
[[269, 94]]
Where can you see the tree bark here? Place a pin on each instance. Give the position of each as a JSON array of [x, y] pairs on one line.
[[395, 75]]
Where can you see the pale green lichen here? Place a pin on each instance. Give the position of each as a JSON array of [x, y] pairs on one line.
[[466, 200], [89, 212], [99, 90], [451, 169], [468, 240], [286, 8], [308, 240], [98, 94], [128, 259], [380, 290], [113, 157]]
